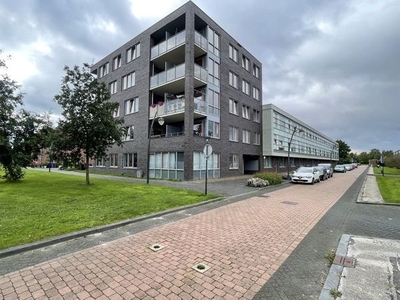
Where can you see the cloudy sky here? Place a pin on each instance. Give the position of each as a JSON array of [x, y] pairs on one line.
[[334, 64]]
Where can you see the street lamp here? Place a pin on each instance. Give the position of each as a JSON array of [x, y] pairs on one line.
[[301, 131], [161, 122]]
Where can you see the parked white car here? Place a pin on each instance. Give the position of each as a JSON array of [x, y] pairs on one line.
[[306, 175]]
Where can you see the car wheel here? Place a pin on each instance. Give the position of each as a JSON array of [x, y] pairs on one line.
[[312, 181]]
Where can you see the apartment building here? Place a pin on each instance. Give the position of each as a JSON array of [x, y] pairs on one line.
[[307, 145], [189, 73]]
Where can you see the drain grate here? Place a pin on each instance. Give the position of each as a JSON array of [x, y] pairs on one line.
[[156, 247], [344, 261], [201, 267], [290, 202]]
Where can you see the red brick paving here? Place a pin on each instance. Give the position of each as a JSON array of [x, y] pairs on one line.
[[243, 243]]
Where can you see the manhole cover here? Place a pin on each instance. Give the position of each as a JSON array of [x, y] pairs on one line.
[[156, 247], [344, 261], [201, 267]]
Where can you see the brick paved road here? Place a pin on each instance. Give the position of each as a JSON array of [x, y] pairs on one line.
[[243, 243]]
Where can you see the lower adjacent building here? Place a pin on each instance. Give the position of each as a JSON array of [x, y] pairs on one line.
[[289, 143]]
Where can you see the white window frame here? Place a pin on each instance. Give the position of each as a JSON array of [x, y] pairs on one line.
[[104, 70], [256, 116], [257, 138], [133, 53], [113, 87], [100, 162], [116, 112], [256, 71], [246, 136], [131, 106], [245, 63], [256, 93], [117, 62], [233, 134], [130, 133], [233, 80], [233, 107], [113, 157], [233, 53], [129, 160], [245, 87], [246, 112], [233, 161], [128, 80]]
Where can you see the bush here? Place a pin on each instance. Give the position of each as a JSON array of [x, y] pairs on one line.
[[272, 178]]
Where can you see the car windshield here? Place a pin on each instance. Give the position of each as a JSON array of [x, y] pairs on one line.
[[304, 170]]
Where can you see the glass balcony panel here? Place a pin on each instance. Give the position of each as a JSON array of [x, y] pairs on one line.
[[162, 47], [170, 43], [200, 40]]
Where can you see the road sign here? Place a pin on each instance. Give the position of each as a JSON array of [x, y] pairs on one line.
[[207, 150]]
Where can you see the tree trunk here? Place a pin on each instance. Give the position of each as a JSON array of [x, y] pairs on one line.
[[87, 170]]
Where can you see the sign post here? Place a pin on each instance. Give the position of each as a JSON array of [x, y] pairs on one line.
[[207, 150]]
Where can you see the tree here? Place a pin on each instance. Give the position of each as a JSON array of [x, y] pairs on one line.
[[21, 132], [344, 151], [88, 127]]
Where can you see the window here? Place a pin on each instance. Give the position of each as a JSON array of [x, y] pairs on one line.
[[100, 162], [233, 80], [116, 112], [113, 87], [117, 62], [246, 112], [245, 87], [213, 42], [256, 71], [233, 161], [130, 160], [104, 69], [256, 116], [213, 103], [245, 63], [233, 107], [256, 93], [113, 160], [233, 134], [213, 70], [132, 53], [267, 162], [233, 53], [245, 136], [213, 129], [130, 133], [132, 106], [257, 138], [128, 81]]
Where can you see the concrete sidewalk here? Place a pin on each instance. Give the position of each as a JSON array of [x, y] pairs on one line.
[[365, 267]]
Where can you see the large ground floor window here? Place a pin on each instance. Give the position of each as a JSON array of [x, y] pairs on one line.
[[167, 165], [199, 166]]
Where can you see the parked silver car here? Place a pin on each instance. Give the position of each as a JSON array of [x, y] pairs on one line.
[[306, 175], [340, 168]]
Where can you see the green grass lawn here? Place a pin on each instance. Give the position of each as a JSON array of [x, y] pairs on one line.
[[389, 188], [48, 204], [388, 171]]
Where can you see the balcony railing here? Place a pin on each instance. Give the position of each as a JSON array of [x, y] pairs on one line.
[[200, 73], [172, 42], [176, 106], [166, 76], [200, 40]]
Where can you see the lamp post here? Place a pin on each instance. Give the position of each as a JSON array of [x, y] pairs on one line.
[[290, 142], [161, 122]]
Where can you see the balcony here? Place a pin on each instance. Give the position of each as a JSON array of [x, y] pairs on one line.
[[173, 109], [172, 80], [169, 44]]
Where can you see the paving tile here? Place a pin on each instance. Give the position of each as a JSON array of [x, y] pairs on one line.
[[243, 243]]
